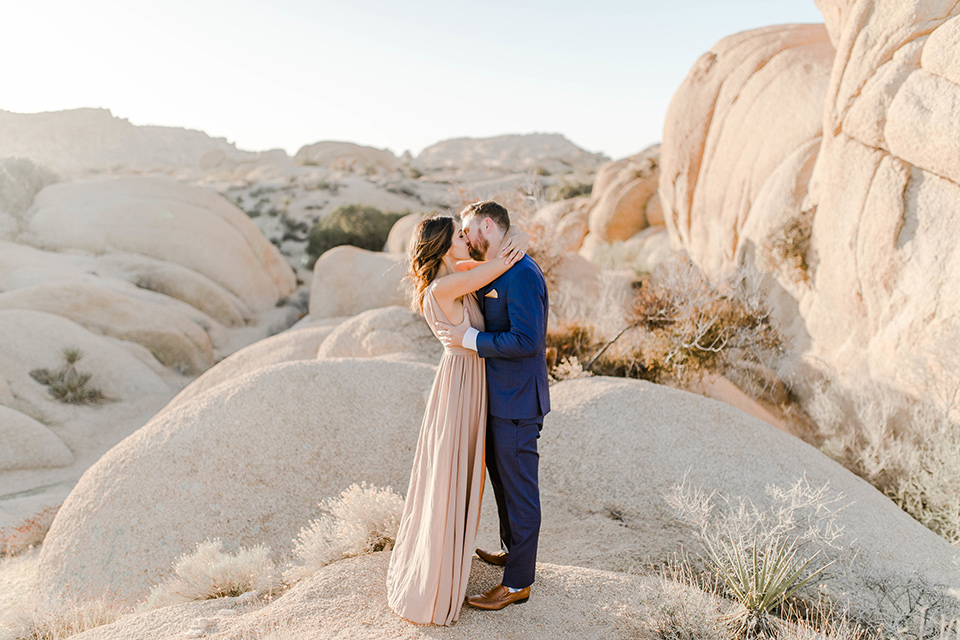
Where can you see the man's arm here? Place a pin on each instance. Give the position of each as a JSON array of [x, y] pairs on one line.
[[525, 309], [526, 324]]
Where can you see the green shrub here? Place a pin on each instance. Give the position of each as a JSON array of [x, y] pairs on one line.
[[66, 384], [569, 190], [357, 225]]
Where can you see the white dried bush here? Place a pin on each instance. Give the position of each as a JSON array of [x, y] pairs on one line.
[[363, 519], [30, 625], [906, 448], [569, 369], [669, 610], [210, 572]]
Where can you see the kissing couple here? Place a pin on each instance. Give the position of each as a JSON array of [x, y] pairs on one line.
[[486, 301]]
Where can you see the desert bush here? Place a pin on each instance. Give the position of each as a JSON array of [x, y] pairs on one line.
[[66, 384], [763, 557], [670, 609], [568, 369], [20, 181], [28, 534], [785, 250], [906, 448], [210, 572], [357, 225], [363, 519], [692, 326], [79, 618], [567, 190]]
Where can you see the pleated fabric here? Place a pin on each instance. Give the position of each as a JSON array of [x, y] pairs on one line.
[[430, 564]]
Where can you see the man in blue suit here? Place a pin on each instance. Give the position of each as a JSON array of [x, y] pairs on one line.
[[514, 351]]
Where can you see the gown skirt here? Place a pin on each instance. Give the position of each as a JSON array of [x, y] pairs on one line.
[[430, 563]]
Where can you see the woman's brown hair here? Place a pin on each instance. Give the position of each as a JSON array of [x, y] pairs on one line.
[[431, 241]]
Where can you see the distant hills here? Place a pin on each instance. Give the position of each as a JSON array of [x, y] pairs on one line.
[[85, 141]]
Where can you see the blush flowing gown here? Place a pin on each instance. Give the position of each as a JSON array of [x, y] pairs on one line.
[[430, 564]]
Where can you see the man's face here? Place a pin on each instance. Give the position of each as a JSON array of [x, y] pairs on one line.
[[477, 242]]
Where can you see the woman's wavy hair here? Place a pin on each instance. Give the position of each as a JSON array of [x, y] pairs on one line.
[[431, 241]]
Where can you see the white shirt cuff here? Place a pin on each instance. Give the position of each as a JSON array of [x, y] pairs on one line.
[[470, 338]]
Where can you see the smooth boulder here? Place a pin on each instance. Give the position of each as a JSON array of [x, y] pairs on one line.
[[348, 280]]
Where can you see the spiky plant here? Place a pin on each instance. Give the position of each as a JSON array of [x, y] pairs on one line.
[[759, 578], [66, 384]]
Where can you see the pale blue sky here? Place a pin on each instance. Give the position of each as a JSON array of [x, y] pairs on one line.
[[400, 75]]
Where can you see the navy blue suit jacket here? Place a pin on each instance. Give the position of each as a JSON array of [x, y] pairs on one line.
[[514, 346]]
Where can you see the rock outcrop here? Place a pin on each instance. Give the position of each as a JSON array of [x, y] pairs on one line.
[[754, 102], [398, 241], [347, 156], [829, 158], [348, 281], [79, 140], [27, 444], [625, 198], [544, 152], [382, 332], [164, 220], [249, 460]]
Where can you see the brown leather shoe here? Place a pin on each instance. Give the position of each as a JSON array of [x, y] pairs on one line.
[[498, 598], [499, 558]]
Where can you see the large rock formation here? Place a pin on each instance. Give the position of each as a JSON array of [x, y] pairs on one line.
[[78, 140], [754, 102], [249, 460], [348, 280], [855, 226], [624, 197], [164, 220], [151, 279], [570, 603], [544, 152], [347, 156], [381, 332]]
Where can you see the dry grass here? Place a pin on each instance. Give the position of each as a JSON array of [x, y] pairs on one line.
[[363, 519], [210, 572], [28, 534], [906, 448]]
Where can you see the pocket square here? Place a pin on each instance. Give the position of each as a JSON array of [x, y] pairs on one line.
[[492, 294]]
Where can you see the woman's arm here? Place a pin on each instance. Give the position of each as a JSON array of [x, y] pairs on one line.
[[458, 284], [466, 265]]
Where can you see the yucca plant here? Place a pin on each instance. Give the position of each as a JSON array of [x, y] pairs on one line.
[[66, 384], [759, 579]]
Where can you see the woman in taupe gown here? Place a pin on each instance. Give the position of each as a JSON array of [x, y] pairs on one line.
[[430, 564]]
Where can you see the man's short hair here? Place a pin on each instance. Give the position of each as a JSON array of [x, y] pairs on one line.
[[488, 209]]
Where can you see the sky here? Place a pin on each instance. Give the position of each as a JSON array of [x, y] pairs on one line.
[[396, 75]]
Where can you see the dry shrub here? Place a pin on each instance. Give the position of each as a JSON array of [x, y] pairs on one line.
[[785, 250], [81, 617], [362, 520], [28, 534], [906, 448], [676, 609], [210, 572], [692, 326]]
